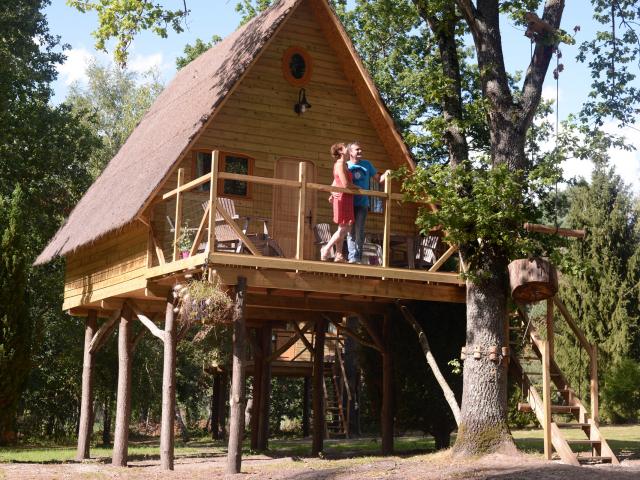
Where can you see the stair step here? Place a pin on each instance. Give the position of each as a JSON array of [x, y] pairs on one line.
[[573, 425], [564, 409], [584, 442], [594, 459]]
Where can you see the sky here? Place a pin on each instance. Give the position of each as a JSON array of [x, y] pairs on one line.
[[218, 17]]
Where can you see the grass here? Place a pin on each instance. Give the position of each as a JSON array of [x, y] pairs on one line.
[[624, 439]]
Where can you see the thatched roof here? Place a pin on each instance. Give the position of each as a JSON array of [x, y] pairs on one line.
[[163, 135]]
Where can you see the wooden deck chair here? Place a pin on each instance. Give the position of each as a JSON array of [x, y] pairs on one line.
[[322, 234], [428, 249]]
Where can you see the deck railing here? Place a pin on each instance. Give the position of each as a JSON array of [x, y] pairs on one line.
[[207, 223]]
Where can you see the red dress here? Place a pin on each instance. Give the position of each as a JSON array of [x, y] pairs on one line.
[[342, 202]]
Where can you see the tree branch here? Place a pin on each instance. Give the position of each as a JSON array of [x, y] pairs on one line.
[[532, 87]]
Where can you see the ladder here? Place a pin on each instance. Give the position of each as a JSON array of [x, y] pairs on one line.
[[337, 395], [535, 368]]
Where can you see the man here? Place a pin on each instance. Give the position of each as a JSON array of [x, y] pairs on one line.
[[362, 171]]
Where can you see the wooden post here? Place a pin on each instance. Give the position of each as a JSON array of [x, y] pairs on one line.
[[318, 388], [178, 217], [546, 399], [386, 412], [168, 387], [306, 393], [265, 391], [550, 327], [213, 200], [593, 364], [123, 402], [258, 364], [237, 396], [222, 404], [387, 224], [86, 409], [302, 202]]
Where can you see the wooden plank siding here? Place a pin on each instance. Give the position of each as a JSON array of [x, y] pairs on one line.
[[258, 120], [119, 258]]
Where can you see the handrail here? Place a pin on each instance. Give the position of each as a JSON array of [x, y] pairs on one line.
[[209, 216]]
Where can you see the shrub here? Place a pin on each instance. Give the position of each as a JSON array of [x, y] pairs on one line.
[[621, 394]]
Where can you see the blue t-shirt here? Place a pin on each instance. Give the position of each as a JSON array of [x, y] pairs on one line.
[[362, 173]]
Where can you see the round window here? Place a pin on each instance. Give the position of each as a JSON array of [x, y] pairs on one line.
[[297, 66]]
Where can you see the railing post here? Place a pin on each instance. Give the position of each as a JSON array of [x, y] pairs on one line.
[[302, 201], [178, 217], [213, 201], [387, 224], [593, 364], [546, 396], [550, 327]]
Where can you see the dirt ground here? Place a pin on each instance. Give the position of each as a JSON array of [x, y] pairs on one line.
[[437, 466]]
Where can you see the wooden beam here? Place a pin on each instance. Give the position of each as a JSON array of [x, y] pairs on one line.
[[201, 229], [317, 443], [301, 336], [103, 332], [562, 232], [302, 205], [546, 399], [550, 327], [572, 324], [443, 258], [386, 409], [178, 217], [386, 236], [213, 201], [85, 427], [288, 344], [156, 248], [168, 386], [347, 331], [238, 231], [372, 332], [305, 305], [258, 316], [146, 321], [345, 286]]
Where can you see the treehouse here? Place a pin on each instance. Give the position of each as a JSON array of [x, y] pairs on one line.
[[228, 176]]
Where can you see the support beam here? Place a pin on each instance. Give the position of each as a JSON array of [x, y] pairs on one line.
[[86, 408], [318, 388], [237, 396], [386, 420], [215, 406], [258, 368], [123, 404], [550, 328], [546, 399], [168, 386]]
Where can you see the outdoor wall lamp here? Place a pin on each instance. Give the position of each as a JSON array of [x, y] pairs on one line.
[[302, 105]]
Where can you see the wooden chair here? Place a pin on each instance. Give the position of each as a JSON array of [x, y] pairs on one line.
[[428, 249], [322, 234]]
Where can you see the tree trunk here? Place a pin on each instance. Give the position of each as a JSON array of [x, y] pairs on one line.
[[258, 364], [483, 425], [386, 412], [222, 404], [318, 390], [123, 402], [184, 431], [265, 391], [168, 386], [237, 397], [85, 428]]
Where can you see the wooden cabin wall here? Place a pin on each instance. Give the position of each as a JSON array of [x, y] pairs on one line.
[[258, 120], [95, 271]]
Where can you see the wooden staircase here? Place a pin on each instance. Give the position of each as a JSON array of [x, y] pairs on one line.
[[337, 397], [549, 395]]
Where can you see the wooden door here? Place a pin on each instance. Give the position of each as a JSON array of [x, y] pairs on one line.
[[285, 208]]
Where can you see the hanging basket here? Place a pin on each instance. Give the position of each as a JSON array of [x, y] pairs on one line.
[[532, 279]]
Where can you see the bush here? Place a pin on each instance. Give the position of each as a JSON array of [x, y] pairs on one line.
[[621, 394]]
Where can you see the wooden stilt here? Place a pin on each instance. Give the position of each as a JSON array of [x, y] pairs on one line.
[[168, 387], [546, 398], [265, 391], [222, 404], [318, 381], [123, 402], [386, 420], [550, 327], [237, 397], [86, 407], [306, 393]]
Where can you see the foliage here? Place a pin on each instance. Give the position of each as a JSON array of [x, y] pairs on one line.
[[111, 105], [603, 290], [123, 20], [15, 322], [479, 206], [191, 52], [204, 301], [621, 394], [185, 240], [250, 8], [286, 404]]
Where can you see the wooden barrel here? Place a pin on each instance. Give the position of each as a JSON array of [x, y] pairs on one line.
[[532, 279]]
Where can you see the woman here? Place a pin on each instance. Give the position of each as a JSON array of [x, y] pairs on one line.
[[342, 203]]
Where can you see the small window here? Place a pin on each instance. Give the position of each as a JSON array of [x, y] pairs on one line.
[[297, 66], [376, 204], [231, 163]]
